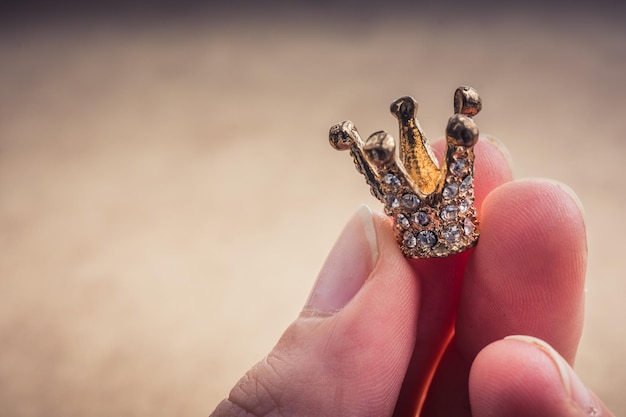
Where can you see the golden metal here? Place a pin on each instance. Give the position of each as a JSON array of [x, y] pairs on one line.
[[432, 207]]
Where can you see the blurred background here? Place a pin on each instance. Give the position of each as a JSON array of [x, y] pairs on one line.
[[168, 194]]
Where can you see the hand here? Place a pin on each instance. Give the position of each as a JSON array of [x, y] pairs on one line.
[[381, 335]]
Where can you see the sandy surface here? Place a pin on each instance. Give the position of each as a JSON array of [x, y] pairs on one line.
[[167, 192]]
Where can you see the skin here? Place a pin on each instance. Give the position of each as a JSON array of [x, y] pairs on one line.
[[385, 336]]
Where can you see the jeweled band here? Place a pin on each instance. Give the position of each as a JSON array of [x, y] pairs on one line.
[[432, 207]]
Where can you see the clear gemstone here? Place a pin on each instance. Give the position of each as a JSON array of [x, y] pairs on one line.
[[468, 226], [450, 191], [426, 239], [451, 234], [410, 201], [449, 212], [409, 240], [392, 201], [392, 181], [464, 206], [458, 167], [467, 183], [403, 221], [441, 250], [421, 217]]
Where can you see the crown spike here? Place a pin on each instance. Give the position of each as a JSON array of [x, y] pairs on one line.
[[467, 101], [461, 131], [343, 136], [380, 148], [415, 152], [432, 208]]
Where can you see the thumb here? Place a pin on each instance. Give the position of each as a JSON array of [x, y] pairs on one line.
[[347, 352], [524, 376]]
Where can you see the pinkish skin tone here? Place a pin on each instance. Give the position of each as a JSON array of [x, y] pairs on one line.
[[376, 324]]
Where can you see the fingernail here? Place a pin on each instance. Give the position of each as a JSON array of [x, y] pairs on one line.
[[348, 265], [499, 145], [574, 387]]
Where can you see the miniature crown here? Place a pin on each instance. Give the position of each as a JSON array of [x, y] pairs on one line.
[[432, 208]]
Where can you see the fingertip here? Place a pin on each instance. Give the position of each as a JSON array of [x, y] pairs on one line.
[[500, 146], [502, 380], [537, 210], [392, 286], [566, 189], [492, 167], [347, 266], [348, 351], [527, 273], [522, 376], [370, 341]]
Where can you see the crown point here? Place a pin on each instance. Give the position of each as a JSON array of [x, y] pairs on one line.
[[467, 101], [341, 135], [404, 108], [379, 148], [462, 131]]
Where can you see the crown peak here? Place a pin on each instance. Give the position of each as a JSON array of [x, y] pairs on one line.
[[404, 108], [462, 131], [342, 135], [380, 148], [467, 101]]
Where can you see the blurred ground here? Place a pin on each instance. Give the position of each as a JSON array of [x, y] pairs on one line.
[[167, 192]]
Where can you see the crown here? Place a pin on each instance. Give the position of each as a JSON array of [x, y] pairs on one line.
[[432, 208]]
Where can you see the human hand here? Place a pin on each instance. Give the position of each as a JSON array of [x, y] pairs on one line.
[[381, 335]]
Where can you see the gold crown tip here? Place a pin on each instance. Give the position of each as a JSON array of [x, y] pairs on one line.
[[380, 148], [404, 108], [342, 135], [462, 131], [467, 101]]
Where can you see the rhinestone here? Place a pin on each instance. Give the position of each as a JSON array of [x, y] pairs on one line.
[[467, 183], [410, 201], [421, 217], [458, 167], [408, 240], [392, 181], [468, 226], [451, 234], [450, 191], [403, 221], [426, 239], [449, 212], [441, 250], [392, 201]]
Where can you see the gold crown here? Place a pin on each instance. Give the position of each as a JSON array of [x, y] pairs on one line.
[[432, 208]]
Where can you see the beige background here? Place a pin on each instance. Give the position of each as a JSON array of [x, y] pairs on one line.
[[167, 192]]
